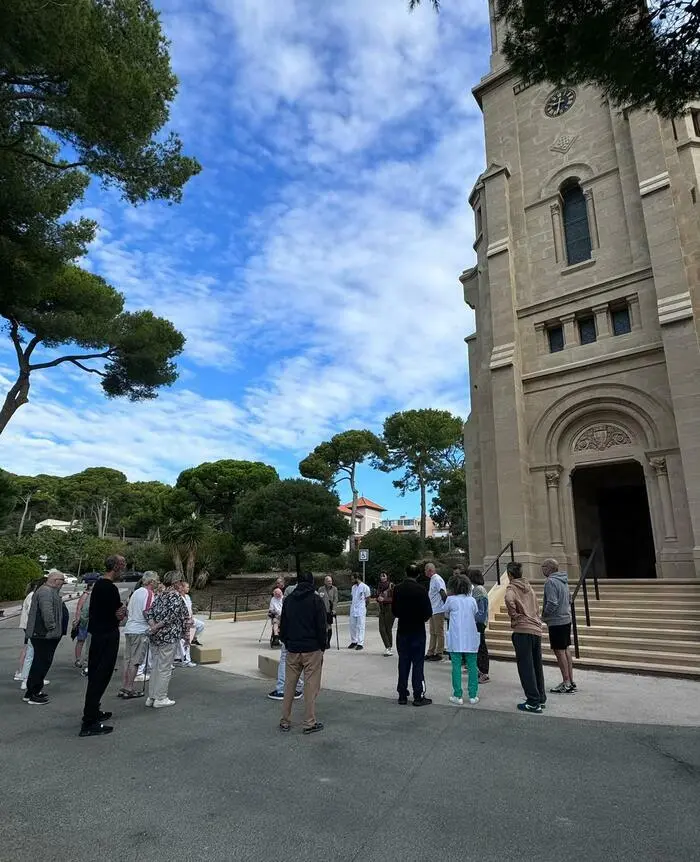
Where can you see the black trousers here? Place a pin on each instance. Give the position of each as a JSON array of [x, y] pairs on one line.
[[44, 650], [528, 655], [104, 649], [482, 656], [329, 636], [411, 649]]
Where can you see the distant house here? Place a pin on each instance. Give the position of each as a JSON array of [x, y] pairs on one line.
[[405, 524], [368, 516], [59, 526]]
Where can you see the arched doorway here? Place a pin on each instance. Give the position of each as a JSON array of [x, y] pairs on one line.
[[611, 507]]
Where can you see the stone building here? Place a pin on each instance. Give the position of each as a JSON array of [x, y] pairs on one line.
[[585, 365]]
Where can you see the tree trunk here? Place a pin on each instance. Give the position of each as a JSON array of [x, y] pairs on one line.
[[189, 572], [422, 510], [177, 560], [27, 501], [297, 560], [354, 506], [15, 398]]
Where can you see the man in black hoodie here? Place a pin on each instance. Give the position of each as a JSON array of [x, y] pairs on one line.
[[303, 632], [411, 606]]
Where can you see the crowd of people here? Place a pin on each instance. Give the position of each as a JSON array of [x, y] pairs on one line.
[[158, 623], [159, 626], [457, 615]]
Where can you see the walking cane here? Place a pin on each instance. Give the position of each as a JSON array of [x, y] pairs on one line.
[[337, 639], [145, 666], [262, 632]]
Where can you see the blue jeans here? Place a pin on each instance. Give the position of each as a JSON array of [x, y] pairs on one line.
[[411, 650], [282, 673]]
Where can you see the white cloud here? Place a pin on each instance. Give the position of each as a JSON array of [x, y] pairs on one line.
[[316, 258]]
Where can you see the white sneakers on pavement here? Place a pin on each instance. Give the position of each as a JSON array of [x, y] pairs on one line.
[[457, 701], [388, 651], [159, 704]]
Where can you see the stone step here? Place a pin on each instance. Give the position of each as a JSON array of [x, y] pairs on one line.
[[647, 595], [661, 633], [652, 583], [636, 667], [650, 611], [630, 655], [587, 639]]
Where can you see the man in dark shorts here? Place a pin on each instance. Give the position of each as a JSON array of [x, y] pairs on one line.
[[106, 612], [556, 612]]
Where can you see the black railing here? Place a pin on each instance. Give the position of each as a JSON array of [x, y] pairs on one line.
[[254, 602], [497, 561], [582, 586]]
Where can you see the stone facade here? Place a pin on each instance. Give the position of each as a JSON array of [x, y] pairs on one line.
[[590, 364]]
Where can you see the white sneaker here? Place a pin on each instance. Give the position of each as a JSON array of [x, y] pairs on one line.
[[190, 664], [47, 682], [458, 701], [18, 676], [473, 700], [159, 704], [139, 677], [24, 685], [150, 701], [388, 651]]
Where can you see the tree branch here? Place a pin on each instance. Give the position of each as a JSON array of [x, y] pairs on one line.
[[16, 341], [63, 166], [30, 347], [74, 359], [85, 368]]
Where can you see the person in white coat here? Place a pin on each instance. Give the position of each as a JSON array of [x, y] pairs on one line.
[[358, 612], [463, 637]]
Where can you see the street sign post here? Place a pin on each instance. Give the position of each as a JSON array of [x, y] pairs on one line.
[[364, 559]]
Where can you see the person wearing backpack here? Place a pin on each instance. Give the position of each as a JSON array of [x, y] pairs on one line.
[[79, 630]]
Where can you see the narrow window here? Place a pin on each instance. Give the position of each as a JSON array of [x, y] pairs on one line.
[[555, 334], [696, 121], [621, 323], [576, 230], [586, 330], [477, 218]]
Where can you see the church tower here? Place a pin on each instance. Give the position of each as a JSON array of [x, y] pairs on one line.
[[585, 364]]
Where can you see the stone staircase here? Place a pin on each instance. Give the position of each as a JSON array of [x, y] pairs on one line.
[[637, 626]]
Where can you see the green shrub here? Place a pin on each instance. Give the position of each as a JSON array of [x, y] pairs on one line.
[[15, 575]]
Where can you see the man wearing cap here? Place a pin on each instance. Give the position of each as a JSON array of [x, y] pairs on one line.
[[44, 629]]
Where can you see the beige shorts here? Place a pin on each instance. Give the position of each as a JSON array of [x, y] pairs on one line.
[[135, 647]]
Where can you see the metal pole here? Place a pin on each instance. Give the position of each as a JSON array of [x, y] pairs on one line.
[[575, 628], [364, 571], [512, 553], [498, 570], [235, 609], [263, 631], [211, 606], [337, 639], [585, 604]]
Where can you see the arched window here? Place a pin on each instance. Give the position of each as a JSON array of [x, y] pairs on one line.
[[577, 232]]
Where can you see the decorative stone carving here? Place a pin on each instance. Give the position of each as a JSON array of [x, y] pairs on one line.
[[563, 143], [552, 478], [601, 437], [658, 465]]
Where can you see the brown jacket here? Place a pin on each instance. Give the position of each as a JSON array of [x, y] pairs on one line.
[[523, 609]]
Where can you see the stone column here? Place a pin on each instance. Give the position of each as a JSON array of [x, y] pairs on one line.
[[568, 321], [602, 321], [551, 476], [658, 465]]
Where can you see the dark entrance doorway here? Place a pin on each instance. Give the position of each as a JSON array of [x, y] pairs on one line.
[[611, 507]]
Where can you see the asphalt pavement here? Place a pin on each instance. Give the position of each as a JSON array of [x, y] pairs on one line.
[[212, 779]]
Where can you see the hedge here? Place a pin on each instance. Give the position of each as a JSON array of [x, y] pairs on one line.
[[15, 575]]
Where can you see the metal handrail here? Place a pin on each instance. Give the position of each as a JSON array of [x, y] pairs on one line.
[[582, 584], [497, 561]]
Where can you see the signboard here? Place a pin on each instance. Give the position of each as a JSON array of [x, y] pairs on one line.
[[364, 555]]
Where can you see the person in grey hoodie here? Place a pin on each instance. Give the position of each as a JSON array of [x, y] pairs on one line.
[[556, 612], [44, 630]]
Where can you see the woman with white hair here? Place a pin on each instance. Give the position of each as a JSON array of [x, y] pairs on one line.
[[169, 622], [136, 633]]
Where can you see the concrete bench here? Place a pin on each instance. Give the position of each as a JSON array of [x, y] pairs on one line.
[[268, 665], [205, 654]]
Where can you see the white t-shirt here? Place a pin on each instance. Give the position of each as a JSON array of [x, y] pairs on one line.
[[136, 624], [462, 635], [436, 602], [276, 606], [360, 592]]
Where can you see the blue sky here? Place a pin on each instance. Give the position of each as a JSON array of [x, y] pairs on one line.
[[313, 264]]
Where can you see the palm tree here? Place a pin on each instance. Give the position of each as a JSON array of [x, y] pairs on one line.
[[185, 539]]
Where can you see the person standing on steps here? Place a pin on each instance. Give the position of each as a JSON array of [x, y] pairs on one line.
[[556, 612], [521, 604], [329, 594], [303, 631], [411, 607], [463, 614], [106, 612], [482, 599], [358, 612], [437, 594], [385, 594], [44, 629]]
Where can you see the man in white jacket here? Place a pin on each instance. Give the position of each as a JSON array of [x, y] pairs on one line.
[[358, 612]]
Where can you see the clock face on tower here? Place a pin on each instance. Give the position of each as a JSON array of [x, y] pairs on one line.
[[559, 102]]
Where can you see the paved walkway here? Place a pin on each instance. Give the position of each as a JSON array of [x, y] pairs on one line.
[[612, 697], [212, 779]]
